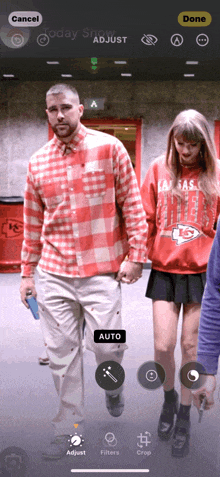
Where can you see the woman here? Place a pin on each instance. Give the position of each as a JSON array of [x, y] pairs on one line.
[[180, 197]]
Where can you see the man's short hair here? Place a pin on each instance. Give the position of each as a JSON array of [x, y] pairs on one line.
[[62, 88]]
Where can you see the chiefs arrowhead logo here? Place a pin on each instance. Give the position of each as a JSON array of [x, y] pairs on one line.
[[12, 228], [184, 233]]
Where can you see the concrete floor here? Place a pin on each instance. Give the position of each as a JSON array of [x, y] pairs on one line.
[[29, 400]]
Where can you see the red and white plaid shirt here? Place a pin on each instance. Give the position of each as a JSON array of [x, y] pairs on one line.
[[82, 208]]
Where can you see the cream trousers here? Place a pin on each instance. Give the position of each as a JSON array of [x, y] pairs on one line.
[[64, 303]]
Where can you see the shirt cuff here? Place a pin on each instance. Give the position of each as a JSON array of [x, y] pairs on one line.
[[210, 362], [27, 271], [137, 256]]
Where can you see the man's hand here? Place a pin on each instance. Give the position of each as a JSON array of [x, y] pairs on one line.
[[129, 272], [27, 285], [206, 390]]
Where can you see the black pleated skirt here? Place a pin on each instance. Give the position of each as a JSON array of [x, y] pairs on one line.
[[179, 288]]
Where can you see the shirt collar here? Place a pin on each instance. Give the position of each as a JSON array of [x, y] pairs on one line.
[[73, 143]]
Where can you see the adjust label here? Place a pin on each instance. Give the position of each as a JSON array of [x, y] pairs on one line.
[[194, 19], [109, 336]]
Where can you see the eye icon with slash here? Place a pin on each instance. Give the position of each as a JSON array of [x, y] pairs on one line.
[[109, 375]]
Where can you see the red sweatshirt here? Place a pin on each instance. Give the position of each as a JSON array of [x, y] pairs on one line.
[[181, 232]]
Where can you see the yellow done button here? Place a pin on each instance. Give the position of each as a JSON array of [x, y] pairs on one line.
[[194, 19]]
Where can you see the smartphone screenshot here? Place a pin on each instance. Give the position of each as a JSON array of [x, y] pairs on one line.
[[135, 68]]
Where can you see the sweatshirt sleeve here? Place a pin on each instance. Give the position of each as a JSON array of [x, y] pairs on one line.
[[209, 328]]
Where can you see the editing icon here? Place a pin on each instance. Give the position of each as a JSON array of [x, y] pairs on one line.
[[17, 40], [151, 375], [144, 439], [110, 439], [110, 375], [193, 375], [43, 39], [176, 39], [202, 39], [14, 37], [14, 462], [149, 40], [76, 440]]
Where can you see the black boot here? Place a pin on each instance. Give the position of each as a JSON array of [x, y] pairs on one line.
[[181, 435], [166, 421]]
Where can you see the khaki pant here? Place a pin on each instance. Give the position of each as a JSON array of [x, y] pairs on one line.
[[63, 305]]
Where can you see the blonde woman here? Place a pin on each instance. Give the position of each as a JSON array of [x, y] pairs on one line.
[[180, 197]]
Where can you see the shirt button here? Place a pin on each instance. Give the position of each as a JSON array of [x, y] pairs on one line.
[[74, 149], [71, 188]]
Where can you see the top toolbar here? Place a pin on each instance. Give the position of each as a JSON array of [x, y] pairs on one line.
[[38, 33]]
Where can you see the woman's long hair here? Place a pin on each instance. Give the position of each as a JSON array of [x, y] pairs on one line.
[[193, 126]]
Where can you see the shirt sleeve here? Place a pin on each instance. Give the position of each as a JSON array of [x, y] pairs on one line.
[[33, 222], [209, 328], [149, 200], [128, 199]]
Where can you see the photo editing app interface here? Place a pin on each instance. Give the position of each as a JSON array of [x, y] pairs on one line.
[[91, 95]]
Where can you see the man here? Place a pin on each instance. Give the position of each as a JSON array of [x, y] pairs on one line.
[[209, 329], [82, 216]]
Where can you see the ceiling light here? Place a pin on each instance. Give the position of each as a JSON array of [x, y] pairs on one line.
[[187, 74], [126, 74], [192, 62], [67, 76], [120, 62], [53, 62], [9, 76]]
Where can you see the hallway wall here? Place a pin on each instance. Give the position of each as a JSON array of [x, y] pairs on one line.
[[23, 123]]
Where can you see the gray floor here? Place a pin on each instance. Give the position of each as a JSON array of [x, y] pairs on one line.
[[29, 400]]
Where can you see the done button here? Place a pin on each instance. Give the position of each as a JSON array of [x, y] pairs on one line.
[[194, 19]]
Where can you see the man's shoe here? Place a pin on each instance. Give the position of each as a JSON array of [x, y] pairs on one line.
[[166, 421], [181, 436], [115, 404], [57, 448], [43, 361]]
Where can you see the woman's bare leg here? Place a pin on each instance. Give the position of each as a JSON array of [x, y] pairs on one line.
[[191, 315], [165, 319]]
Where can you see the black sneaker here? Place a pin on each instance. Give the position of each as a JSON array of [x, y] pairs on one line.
[[115, 404], [166, 421], [181, 436]]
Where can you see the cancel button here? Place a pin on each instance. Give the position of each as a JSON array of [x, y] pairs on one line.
[[194, 19]]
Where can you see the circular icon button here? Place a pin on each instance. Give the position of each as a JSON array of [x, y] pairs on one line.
[[202, 39], [43, 39], [151, 375], [76, 440], [14, 461], [14, 37], [110, 439], [110, 375], [176, 39], [193, 375], [17, 40]]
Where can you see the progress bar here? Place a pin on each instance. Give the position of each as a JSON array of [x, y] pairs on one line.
[[135, 471]]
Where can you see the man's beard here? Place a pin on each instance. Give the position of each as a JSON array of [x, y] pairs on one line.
[[68, 131]]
